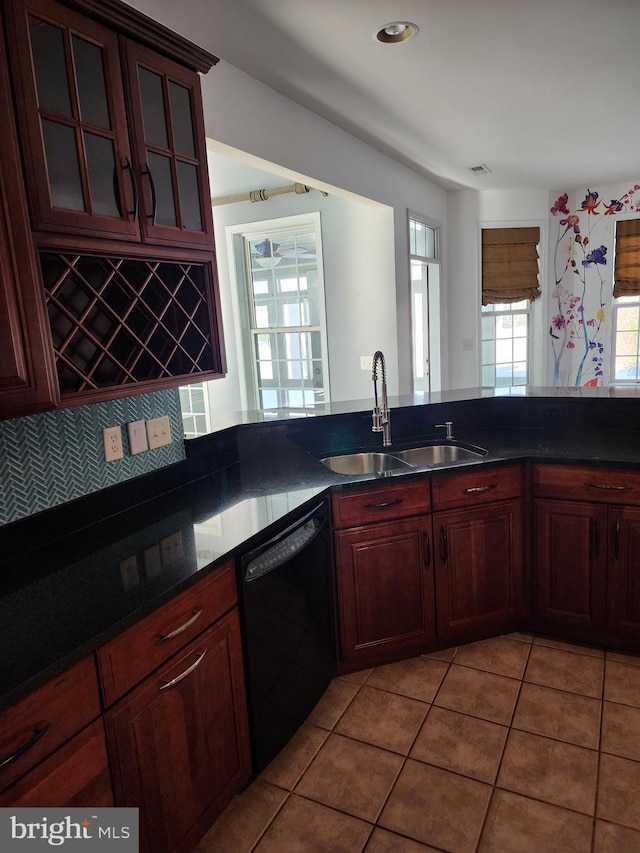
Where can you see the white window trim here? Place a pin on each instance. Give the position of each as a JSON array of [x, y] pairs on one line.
[[610, 377], [435, 300]]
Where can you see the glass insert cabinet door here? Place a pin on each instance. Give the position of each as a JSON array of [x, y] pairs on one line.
[[168, 135], [72, 114]]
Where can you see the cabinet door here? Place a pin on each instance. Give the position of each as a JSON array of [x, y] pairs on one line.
[[27, 379], [71, 107], [479, 570], [179, 742], [385, 588], [570, 567], [168, 133], [77, 775], [623, 582]]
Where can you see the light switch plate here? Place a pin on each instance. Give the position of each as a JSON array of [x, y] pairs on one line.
[[137, 437], [158, 432]]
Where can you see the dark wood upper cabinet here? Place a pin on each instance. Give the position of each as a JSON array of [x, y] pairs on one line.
[[118, 290], [113, 149], [27, 382]]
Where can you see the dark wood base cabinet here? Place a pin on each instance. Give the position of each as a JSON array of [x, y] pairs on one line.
[[478, 570], [180, 740], [587, 554], [385, 589]]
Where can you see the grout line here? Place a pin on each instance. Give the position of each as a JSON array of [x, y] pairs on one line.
[[597, 797]]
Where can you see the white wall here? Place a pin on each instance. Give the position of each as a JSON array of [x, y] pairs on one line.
[[357, 244], [244, 114]]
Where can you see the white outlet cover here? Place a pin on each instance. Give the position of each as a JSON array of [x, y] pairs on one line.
[[137, 437], [158, 432], [112, 441]]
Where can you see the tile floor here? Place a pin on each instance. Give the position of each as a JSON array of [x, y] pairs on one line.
[[510, 745]]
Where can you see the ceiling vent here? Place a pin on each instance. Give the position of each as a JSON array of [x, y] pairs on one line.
[[480, 170]]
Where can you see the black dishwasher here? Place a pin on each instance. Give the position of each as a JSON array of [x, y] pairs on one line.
[[286, 606]]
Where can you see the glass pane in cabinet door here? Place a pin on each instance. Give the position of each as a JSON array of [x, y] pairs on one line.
[[92, 91], [47, 45], [160, 168], [101, 166], [155, 125], [181, 119], [189, 196], [65, 186]]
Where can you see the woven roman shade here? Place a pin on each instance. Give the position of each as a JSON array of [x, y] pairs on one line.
[[626, 277], [509, 264]]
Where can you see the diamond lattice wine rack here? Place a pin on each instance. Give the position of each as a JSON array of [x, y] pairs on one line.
[[116, 321]]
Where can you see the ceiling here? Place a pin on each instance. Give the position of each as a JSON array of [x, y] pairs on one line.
[[546, 93]]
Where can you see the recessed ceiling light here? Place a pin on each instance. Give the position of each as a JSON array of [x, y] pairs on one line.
[[396, 32]]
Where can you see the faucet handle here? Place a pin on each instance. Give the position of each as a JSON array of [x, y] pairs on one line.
[[448, 425]]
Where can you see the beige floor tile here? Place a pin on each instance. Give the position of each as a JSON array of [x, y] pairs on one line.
[[358, 677], [333, 704], [460, 743], [618, 787], [623, 657], [417, 678], [351, 776], [480, 694], [621, 730], [382, 841], [443, 654], [557, 714], [577, 648], [437, 807], [245, 819], [522, 636], [611, 838], [383, 719], [303, 826], [500, 655], [622, 683], [289, 765], [517, 824], [563, 670], [558, 773]]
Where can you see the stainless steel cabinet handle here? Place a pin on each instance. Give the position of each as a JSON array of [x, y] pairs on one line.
[[427, 548], [477, 489], [154, 201], [134, 189], [596, 536], [37, 734], [384, 504], [616, 539], [184, 674], [164, 637], [610, 488]]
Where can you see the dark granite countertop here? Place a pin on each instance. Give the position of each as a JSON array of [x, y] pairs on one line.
[[61, 599]]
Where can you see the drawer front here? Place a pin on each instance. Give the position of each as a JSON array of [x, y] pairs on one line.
[[478, 485], [381, 503], [142, 648], [582, 482], [34, 727]]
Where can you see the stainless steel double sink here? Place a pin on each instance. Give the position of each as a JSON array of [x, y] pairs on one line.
[[414, 457]]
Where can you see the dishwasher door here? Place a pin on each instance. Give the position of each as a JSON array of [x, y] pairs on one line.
[[286, 606]]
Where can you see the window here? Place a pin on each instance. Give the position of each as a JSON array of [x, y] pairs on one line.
[[626, 303], [195, 410], [425, 305], [284, 324], [510, 284]]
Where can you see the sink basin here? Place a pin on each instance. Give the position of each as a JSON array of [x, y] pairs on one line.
[[438, 454], [364, 463]]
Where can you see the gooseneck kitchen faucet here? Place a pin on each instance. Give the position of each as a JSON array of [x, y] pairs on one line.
[[381, 416]]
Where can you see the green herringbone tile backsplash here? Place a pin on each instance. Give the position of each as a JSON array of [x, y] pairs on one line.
[[53, 457]]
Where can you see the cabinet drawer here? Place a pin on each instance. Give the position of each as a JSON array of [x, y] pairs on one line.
[[75, 776], [477, 486], [46, 718], [380, 503], [142, 648], [581, 482]]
